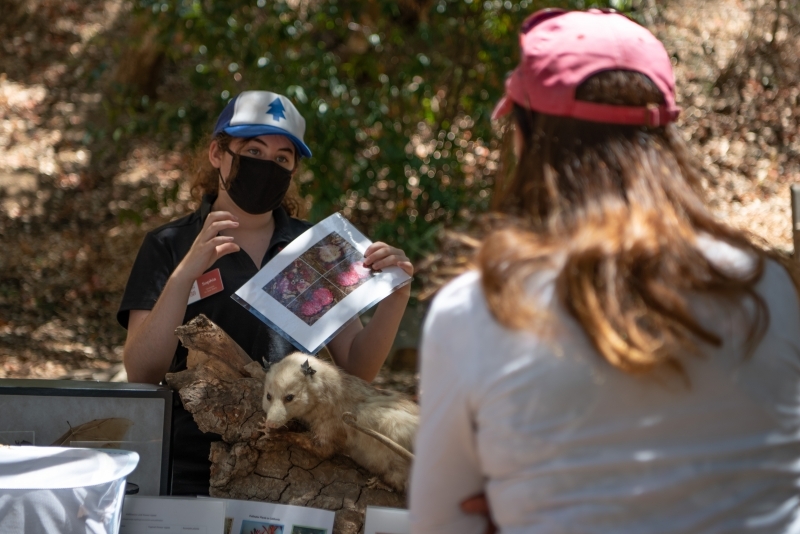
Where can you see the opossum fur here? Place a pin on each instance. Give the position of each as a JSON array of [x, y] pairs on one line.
[[319, 393]]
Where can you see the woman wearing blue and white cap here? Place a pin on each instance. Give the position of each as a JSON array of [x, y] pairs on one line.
[[246, 217]]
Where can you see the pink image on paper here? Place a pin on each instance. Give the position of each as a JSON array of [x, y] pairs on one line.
[[259, 527], [328, 252], [321, 277], [350, 274], [291, 282], [316, 301]]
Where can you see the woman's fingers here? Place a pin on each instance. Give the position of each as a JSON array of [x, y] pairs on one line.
[[209, 246], [407, 266], [478, 505], [220, 240], [379, 250], [217, 227], [216, 247], [373, 247], [389, 261], [227, 248], [380, 255], [475, 505], [216, 222], [220, 216]]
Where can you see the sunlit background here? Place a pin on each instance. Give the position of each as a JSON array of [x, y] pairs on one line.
[[103, 102]]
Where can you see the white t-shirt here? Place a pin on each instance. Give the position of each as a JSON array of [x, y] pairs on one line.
[[561, 442]]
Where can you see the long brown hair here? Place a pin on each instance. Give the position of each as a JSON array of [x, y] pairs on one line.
[[205, 177], [617, 211]]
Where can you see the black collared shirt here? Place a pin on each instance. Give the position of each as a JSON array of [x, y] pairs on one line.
[[161, 252]]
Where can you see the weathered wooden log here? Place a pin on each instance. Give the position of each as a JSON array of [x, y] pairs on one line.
[[202, 335], [224, 396]]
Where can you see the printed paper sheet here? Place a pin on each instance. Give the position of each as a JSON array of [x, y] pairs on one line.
[[314, 287]]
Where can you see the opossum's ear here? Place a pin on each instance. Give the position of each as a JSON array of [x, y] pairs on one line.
[[265, 364], [307, 369]]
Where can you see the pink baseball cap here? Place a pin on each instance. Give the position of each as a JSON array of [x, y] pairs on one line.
[[561, 49]]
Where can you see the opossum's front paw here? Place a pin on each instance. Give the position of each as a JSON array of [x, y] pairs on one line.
[[262, 428], [376, 483], [262, 438], [309, 444]]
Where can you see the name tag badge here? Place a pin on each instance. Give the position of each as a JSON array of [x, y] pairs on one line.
[[206, 285]]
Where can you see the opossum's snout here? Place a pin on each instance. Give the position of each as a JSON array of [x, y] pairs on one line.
[[276, 415], [281, 409], [276, 410], [288, 406]]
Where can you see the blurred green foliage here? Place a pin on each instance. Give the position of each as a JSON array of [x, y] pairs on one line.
[[397, 95]]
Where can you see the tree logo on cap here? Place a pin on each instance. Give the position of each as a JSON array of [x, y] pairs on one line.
[[276, 109]]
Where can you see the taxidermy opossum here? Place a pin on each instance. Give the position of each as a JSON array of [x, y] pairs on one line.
[[321, 394]]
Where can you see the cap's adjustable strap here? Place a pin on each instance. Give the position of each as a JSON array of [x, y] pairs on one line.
[[650, 115]]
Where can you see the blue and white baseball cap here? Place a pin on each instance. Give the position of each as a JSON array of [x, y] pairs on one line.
[[254, 113]]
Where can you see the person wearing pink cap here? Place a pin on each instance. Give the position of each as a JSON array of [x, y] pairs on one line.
[[619, 360], [249, 213]]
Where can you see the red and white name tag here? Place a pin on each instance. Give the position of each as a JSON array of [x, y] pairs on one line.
[[206, 285]]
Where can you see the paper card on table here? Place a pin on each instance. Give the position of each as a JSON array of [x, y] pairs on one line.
[[145, 515], [246, 517], [383, 520], [316, 285]]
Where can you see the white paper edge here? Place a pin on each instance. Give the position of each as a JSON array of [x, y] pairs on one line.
[[238, 510], [381, 519], [171, 508], [312, 338]]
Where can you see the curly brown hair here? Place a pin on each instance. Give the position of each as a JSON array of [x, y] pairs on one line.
[[204, 177]]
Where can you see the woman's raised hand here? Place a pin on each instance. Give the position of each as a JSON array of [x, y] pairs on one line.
[[209, 246], [379, 255]]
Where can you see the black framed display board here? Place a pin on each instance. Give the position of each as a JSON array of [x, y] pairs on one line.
[[68, 413]]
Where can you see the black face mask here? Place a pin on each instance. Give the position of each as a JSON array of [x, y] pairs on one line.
[[259, 185]]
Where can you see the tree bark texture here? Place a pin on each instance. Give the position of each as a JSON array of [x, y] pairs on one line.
[[224, 396]]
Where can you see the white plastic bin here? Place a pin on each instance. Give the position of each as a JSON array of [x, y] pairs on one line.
[[64, 490]]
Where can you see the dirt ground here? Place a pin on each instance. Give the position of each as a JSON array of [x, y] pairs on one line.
[[70, 233]]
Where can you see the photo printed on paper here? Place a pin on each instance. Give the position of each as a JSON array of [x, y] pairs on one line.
[[292, 282], [351, 273], [260, 527], [320, 278], [297, 529]]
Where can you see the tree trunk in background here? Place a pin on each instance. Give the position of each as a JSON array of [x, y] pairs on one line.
[[143, 64], [245, 465]]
